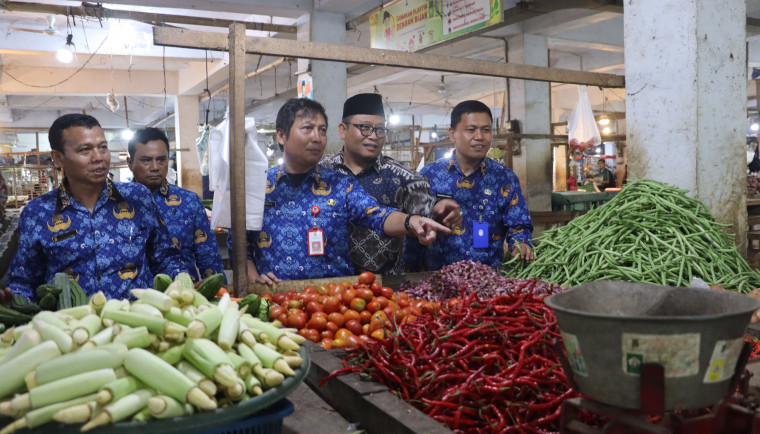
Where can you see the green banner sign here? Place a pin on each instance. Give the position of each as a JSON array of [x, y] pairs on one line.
[[411, 25]]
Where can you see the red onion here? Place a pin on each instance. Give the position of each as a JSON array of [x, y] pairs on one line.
[[471, 276]]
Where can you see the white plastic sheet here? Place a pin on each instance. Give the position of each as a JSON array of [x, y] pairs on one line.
[[256, 165], [582, 130]]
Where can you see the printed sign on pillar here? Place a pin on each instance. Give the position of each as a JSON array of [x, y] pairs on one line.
[[305, 86]]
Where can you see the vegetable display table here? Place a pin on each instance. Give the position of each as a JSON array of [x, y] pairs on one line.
[[579, 200]]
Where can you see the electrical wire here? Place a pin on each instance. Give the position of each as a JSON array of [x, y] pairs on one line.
[[62, 81]]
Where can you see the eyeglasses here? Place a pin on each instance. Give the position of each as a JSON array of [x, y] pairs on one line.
[[367, 130]]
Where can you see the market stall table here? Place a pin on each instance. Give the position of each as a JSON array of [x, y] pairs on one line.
[[579, 200]]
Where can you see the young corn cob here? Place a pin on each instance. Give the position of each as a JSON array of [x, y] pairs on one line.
[[211, 360], [146, 309], [180, 316], [172, 355], [158, 299], [28, 340], [160, 326], [236, 392], [272, 359], [53, 333], [113, 304], [137, 337], [101, 338], [163, 377], [13, 372], [97, 301], [206, 384], [205, 322], [293, 361], [121, 409], [245, 334], [85, 328], [144, 415], [253, 385], [63, 389], [115, 390], [76, 414], [186, 297], [6, 339], [164, 407], [103, 357], [173, 290], [228, 329], [239, 363], [266, 331], [78, 312], [53, 319], [43, 415], [269, 377], [199, 300], [185, 281], [19, 330]]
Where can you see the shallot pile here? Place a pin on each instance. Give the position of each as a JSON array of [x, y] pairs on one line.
[[471, 276]]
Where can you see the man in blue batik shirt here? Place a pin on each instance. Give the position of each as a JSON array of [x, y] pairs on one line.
[[181, 209], [106, 235], [488, 193], [305, 232]]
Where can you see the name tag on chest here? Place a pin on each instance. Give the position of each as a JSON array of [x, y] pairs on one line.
[[64, 236], [479, 235]]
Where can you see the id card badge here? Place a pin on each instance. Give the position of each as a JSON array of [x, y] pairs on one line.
[[479, 235], [316, 242]]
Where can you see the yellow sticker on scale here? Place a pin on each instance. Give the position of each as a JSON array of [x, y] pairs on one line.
[[723, 360]]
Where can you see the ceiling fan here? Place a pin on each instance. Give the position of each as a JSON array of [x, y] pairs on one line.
[[50, 30]]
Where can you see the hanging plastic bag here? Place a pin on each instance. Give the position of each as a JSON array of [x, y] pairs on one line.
[[256, 165], [201, 145], [582, 130]]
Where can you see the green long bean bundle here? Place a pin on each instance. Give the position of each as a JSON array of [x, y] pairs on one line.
[[648, 233]]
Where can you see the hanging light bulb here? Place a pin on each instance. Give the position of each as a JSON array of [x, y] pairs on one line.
[[604, 120], [127, 134], [65, 54], [394, 119]]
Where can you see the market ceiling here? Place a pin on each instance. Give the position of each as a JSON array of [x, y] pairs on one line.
[[115, 53]]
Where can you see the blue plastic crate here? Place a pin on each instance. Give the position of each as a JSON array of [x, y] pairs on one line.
[[266, 421]]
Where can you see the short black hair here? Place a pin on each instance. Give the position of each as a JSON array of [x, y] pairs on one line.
[[386, 14], [468, 106], [55, 133], [297, 107], [144, 136]]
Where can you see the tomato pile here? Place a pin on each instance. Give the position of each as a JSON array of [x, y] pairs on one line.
[[342, 315]]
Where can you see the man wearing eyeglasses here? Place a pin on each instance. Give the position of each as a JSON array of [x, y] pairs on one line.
[[389, 182]]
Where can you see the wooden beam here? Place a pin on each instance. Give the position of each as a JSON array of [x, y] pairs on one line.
[[98, 11], [237, 157], [345, 53]]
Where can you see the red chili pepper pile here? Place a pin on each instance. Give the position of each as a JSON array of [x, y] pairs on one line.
[[755, 354], [482, 365]]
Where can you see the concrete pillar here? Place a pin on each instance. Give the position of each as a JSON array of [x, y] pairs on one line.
[[328, 78], [186, 132], [686, 92], [530, 105]]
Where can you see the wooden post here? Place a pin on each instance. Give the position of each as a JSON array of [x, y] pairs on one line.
[[237, 157]]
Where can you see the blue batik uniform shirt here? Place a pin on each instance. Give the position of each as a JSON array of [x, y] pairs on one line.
[[391, 184], [281, 246], [117, 247], [189, 229], [490, 194]]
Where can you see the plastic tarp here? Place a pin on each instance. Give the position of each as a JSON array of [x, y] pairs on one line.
[[256, 164]]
